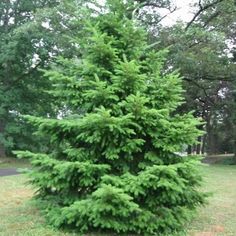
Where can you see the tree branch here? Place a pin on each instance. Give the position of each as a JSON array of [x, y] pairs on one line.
[[143, 4], [212, 17], [202, 9], [163, 17], [202, 88]]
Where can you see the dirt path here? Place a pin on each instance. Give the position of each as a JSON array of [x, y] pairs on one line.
[[7, 172]]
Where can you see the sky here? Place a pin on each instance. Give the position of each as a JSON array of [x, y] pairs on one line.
[[183, 12]]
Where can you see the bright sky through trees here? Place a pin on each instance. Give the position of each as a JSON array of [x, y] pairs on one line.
[[183, 12]]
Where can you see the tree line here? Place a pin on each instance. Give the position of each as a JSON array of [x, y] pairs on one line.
[[34, 33]]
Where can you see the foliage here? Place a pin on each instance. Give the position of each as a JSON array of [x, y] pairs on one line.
[[221, 19], [203, 53], [111, 164], [22, 51]]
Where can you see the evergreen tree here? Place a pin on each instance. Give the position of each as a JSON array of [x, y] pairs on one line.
[[112, 164]]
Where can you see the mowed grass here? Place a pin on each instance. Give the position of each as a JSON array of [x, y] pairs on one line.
[[219, 216], [20, 217]]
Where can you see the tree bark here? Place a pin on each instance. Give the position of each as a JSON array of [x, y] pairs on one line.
[[211, 136], [203, 144], [2, 148], [189, 150], [198, 145]]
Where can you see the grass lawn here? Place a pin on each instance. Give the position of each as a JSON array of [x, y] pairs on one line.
[[219, 217], [19, 217]]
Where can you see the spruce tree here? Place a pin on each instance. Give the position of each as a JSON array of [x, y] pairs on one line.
[[113, 162]]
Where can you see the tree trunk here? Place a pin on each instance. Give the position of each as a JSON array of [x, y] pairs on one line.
[[198, 146], [189, 150], [203, 144], [2, 148], [234, 141], [211, 136]]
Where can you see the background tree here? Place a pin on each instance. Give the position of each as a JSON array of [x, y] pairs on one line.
[[222, 18], [116, 151], [202, 51], [22, 50], [32, 34], [40, 30]]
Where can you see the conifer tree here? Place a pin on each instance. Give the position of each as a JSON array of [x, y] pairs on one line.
[[112, 163]]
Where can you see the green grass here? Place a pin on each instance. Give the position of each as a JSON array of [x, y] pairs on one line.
[[219, 216], [20, 217]]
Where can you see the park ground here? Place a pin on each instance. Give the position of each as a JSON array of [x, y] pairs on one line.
[[19, 215]]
